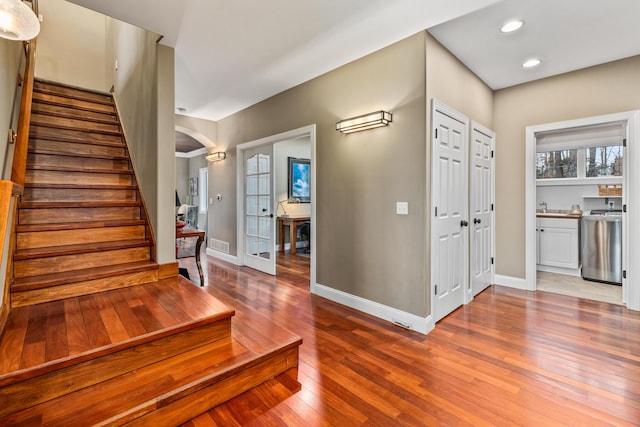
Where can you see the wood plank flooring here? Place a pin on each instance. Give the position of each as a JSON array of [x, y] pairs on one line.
[[508, 358]]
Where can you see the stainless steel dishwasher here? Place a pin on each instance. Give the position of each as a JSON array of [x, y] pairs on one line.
[[601, 246]]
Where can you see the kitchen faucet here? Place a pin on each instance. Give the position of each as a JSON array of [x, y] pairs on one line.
[[544, 207]]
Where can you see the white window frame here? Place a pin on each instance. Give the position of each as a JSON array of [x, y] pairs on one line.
[[203, 183]]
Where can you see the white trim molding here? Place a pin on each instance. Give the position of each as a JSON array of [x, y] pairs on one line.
[[511, 282], [222, 256], [424, 325]]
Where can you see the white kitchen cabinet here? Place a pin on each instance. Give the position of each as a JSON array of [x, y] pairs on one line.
[[558, 245]]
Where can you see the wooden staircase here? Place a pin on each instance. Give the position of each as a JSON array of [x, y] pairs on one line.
[[93, 337], [81, 222]]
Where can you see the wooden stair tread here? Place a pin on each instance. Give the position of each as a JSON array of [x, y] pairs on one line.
[[21, 284], [36, 110], [77, 225], [84, 139], [58, 153], [79, 169], [45, 101], [36, 122], [67, 205], [79, 186], [62, 94], [52, 251]]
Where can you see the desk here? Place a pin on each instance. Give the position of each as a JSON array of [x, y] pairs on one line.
[[293, 222], [190, 232]]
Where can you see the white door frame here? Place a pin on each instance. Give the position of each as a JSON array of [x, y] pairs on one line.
[[631, 236], [306, 131]]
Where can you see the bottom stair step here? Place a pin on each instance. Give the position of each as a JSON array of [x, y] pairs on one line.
[[192, 361], [166, 393]]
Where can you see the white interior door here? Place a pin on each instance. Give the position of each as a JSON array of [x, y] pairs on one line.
[[449, 227], [481, 207], [259, 220]]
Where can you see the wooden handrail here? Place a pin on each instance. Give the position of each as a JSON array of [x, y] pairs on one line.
[[19, 168]]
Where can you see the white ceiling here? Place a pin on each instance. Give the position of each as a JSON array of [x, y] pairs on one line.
[[233, 54], [566, 35]]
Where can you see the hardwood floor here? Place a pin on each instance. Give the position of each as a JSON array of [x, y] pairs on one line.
[[508, 358]]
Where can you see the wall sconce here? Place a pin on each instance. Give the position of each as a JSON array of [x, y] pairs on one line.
[[364, 122], [216, 157], [17, 21]]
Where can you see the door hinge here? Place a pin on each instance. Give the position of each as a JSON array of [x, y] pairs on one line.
[[624, 274], [624, 208], [436, 133], [624, 142], [491, 206], [436, 211], [436, 289], [492, 154], [491, 260]]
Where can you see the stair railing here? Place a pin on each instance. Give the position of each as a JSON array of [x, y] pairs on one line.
[[19, 168], [10, 191]]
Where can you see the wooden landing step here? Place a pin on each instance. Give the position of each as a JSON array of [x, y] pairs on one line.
[[156, 354]]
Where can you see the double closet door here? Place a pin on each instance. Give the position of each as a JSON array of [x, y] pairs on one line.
[[462, 203]]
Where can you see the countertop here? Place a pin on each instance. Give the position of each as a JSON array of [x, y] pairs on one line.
[[559, 214]]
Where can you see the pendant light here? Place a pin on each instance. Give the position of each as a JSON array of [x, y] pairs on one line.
[[17, 21]]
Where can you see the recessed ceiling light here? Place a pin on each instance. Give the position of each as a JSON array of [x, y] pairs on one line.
[[530, 63], [512, 26]]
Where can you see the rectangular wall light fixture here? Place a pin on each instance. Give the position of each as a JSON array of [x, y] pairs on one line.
[[216, 157], [364, 122]]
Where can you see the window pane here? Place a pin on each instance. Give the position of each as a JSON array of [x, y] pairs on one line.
[[604, 161], [557, 164]]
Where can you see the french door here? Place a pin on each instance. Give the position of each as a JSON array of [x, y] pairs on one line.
[[259, 220]]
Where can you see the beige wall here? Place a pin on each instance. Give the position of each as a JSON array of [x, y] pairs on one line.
[[11, 62], [451, 82], [206, 128], [363, 247], [71, 54], [144, 90], [182, 178], [604, 89]]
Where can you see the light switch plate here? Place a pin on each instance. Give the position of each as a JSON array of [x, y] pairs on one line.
[[402, 208]]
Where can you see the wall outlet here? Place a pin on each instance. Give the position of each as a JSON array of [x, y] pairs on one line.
[[402, 208]]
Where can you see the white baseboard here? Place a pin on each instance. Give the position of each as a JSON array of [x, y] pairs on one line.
[[512, 282], [393, 315], [568, 271], [223, 256]]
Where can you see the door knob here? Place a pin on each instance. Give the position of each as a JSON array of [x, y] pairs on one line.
[[477, 220], [463, 223]]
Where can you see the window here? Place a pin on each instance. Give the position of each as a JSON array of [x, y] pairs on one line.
[[603, 161], [204, 190], [585, 162], [557, 164], [581, 155]]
